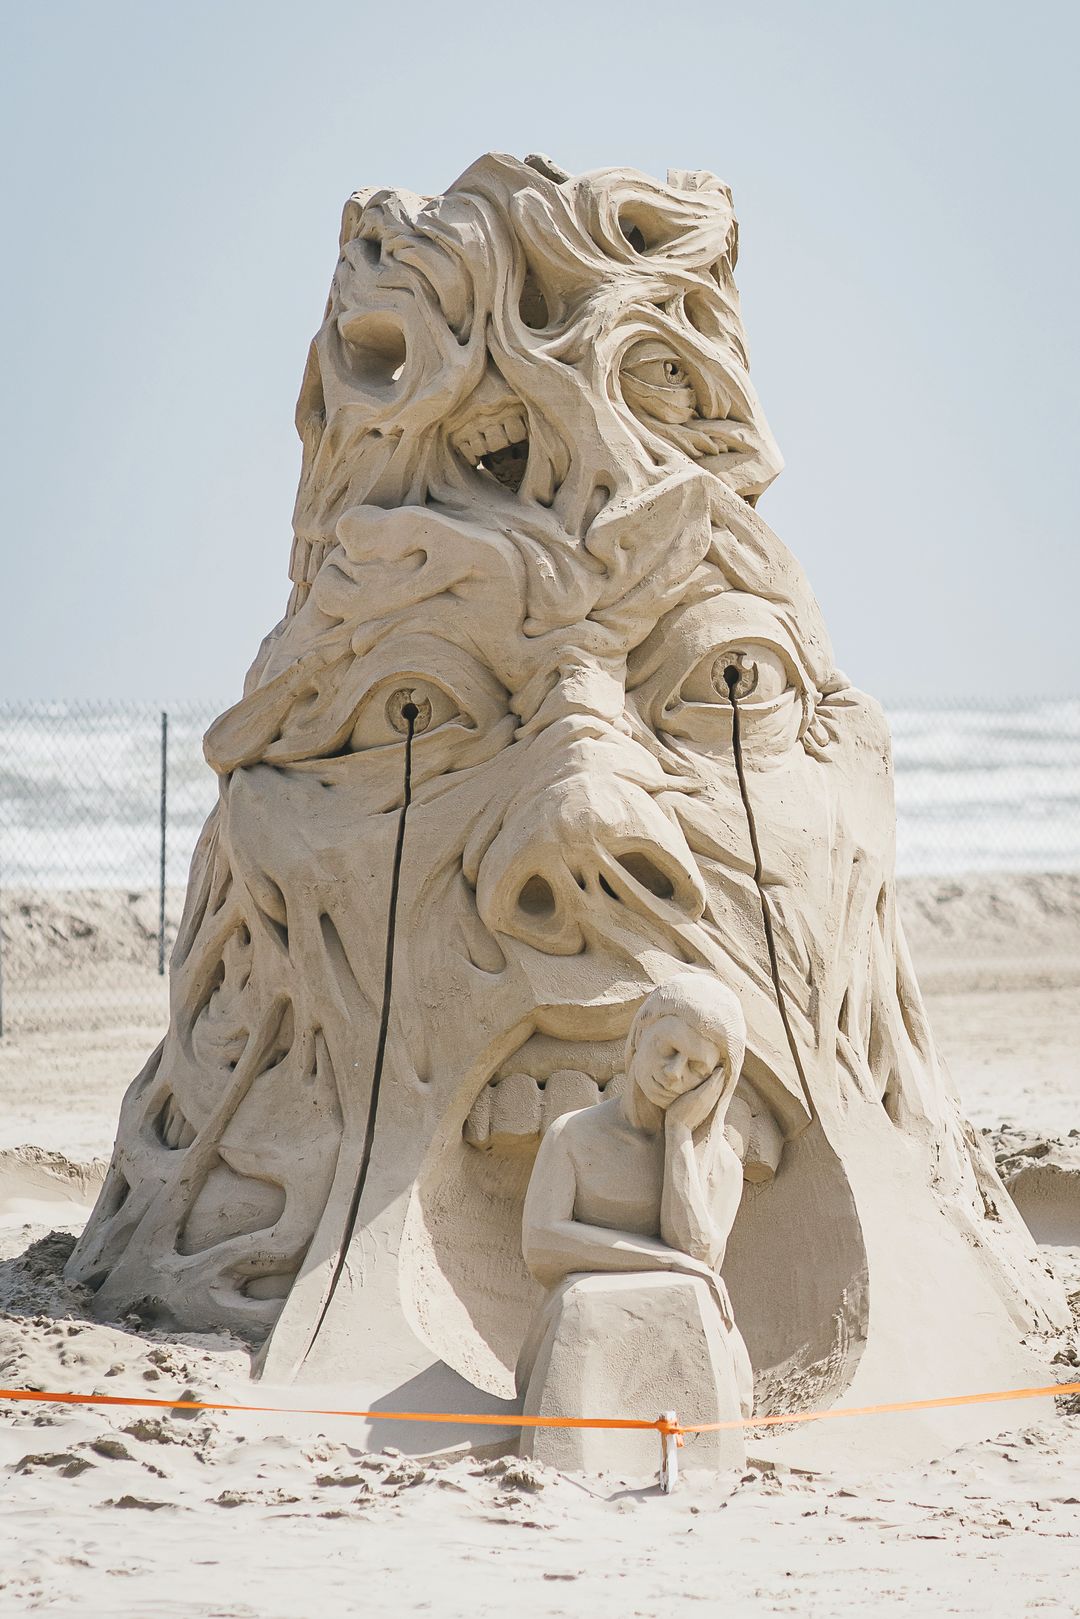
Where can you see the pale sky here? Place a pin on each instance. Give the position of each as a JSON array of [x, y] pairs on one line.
[[905, 178]]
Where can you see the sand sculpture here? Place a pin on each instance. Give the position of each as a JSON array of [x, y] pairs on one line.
[[627, 1217], [532, 601]]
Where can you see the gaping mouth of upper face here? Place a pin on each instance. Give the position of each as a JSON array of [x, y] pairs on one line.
[[495, 442]]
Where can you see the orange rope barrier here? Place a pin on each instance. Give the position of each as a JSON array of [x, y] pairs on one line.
[[875, 1410], [487, 1419]]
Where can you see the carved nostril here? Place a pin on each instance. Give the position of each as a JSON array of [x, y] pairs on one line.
[[537, 898], [648, 874]]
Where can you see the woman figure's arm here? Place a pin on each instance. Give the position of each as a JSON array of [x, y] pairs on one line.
[[700, 1201], [556, 1245]]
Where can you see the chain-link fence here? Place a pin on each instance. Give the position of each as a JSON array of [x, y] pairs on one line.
[[100, 807], [101, 804]]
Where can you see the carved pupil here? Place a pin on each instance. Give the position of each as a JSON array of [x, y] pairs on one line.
[[402, 706]]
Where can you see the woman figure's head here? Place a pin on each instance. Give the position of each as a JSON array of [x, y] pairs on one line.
[[689, 1034]]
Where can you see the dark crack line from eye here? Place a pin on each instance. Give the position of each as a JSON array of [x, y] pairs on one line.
[[732, 677], [410, 714]]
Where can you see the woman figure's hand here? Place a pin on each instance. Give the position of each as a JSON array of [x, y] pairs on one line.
[[703, 1271], [692, 1108]]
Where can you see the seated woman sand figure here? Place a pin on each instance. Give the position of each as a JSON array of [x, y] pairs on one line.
[[626, 1220]]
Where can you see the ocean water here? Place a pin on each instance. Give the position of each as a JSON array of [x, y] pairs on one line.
[[80, 793], [978, 788], [987, 788]]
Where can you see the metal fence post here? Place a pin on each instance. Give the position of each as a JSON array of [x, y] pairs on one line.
[[164, 825]]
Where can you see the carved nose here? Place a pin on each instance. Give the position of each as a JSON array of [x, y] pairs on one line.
[[574, 850]]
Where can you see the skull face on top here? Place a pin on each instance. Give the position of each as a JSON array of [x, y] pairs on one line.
[[525, 518]]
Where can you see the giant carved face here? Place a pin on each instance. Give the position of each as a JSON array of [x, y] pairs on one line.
[[526, 560]]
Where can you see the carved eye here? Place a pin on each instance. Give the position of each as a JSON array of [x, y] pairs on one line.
[[656, 384], [661, 371], [760, 674], [385, 712]]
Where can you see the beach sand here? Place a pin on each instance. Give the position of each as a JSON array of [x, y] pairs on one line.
[[216, 1516]]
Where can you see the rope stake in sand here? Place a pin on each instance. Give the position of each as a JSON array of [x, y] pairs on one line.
[[671, 1442]]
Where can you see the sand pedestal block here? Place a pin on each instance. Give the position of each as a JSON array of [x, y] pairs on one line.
[[617, 1346]]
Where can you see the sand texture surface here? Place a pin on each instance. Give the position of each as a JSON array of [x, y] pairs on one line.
[[214, 1516]]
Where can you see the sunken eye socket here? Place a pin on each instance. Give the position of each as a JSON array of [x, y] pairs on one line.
[[761, 675], [385, 714], [373, 349]]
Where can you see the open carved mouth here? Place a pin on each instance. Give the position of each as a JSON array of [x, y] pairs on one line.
[[497, 444], [545, 1078]]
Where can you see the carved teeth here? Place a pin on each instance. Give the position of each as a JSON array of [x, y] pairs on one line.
[[490, 436], [512, 1114]]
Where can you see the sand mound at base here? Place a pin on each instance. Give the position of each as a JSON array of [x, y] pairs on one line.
[[993, 931], [43, 1187], [1048, 1196]]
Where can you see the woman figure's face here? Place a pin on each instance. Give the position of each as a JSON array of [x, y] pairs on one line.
[[672, 1057]]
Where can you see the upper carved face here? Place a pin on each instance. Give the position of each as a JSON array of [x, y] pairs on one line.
[[533, 347]]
